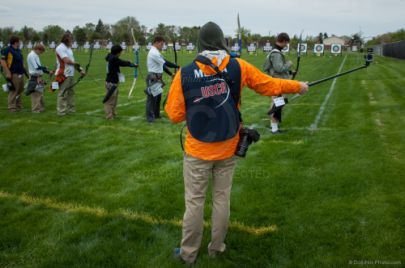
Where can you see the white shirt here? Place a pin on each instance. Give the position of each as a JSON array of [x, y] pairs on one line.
[[33, 63], [65, 52], [155, 61]]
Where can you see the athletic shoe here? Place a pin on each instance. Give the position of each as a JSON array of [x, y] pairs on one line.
[[177, 256]]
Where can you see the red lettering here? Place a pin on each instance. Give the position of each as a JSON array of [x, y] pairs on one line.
[[204, 92], [214, 90], [211, 91], [223, 88]]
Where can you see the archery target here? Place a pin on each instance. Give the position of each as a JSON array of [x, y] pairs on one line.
[[97, 45], [136, 46], [336, 49], [319, 48], [235, 47], [252, 48], [287, 48], [190, 47], [267, 47], [302, 48]]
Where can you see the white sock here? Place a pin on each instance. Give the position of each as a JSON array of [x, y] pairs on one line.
[[274, 127]]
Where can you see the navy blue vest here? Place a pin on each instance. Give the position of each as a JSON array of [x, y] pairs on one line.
[[211, 103], [17, 64]]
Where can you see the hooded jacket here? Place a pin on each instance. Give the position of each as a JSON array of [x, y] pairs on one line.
[[113, 67], [250, 77]]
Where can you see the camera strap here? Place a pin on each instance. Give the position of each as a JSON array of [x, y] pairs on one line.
[[181, 137], [223, 75]]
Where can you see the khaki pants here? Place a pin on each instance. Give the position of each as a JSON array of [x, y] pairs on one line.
[[66, 102], [37, 102], [14, 96], [111, 104], [197, 174]]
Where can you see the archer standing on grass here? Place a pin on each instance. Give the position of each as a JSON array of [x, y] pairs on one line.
[[277, 66], [156, 65], [66, 66], [36, 84], [206, 94], [114, 76], [12, 62]]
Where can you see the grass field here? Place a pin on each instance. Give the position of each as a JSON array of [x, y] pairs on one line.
[[80, 191]]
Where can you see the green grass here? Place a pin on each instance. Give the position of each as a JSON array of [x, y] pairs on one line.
[[80, 191]]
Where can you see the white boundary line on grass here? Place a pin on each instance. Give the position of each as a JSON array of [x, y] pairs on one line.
[[314, 125]]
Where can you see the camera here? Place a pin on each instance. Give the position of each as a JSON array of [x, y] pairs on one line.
[[247, 136], [369, 56]]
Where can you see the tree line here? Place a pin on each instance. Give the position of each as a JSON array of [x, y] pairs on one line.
[[118, 32], [121, 32], [388, 38]]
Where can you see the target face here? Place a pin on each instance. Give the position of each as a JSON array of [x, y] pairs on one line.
[[235, 47], [318, 48], [252, 48], [302, 48], [336, 49]]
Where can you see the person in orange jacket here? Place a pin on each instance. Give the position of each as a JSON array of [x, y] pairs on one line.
[[206, 94]]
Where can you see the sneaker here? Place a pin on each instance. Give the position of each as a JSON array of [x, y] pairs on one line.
[[177, 256], [177, 252]]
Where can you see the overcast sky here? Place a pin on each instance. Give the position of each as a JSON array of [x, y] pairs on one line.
[[340, 17]]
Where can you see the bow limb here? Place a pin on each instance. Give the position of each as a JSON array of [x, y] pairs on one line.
[[239, 36], [86, 69], [298, 57], [175, 51], [136, 62]]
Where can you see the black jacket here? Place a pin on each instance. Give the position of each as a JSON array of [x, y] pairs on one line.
[[113, 67]]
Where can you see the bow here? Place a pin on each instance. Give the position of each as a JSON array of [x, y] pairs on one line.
[[175, 70], [239, 36], [298, 57], [136, 62], [86, 69], [175, 51], [368, 60]]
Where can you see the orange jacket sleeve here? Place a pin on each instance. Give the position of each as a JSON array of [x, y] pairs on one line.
[[264, 84], [175, 105]]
